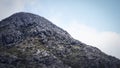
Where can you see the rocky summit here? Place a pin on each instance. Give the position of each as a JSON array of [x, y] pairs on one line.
[[31, 41]]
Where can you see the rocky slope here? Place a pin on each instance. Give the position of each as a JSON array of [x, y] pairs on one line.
[[31, 41]]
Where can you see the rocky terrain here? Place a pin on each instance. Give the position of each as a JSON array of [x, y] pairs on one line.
[[31, 41]]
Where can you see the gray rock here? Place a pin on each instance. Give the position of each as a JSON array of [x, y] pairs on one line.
[[31, 41]]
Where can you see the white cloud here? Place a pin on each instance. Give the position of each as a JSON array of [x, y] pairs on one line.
[[34, 6], [108, 42], [8, 7], [55, 18]]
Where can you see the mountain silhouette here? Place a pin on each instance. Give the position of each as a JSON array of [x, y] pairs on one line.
[[30, 41]]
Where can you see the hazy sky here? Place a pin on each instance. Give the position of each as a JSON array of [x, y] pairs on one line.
[[94, 22]]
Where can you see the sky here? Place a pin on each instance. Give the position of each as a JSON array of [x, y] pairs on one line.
[[94, 22]]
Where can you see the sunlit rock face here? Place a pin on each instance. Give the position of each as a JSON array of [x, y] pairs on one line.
[[31, 41]]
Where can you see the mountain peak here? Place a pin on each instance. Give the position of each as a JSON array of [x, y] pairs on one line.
[[31, 41], [21, 18], [24, 24], [22, 14]]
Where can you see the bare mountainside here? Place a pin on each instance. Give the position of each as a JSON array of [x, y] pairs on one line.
[[31, 41]]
